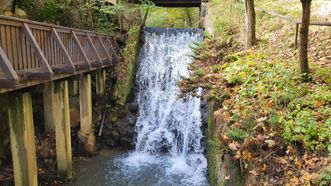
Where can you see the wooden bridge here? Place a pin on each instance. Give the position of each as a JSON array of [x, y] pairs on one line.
[[50, 56], [37, 51], [176, 3]]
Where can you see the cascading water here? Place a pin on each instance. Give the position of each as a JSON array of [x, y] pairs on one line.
[[166, 123], [169, 131], [169, 149]]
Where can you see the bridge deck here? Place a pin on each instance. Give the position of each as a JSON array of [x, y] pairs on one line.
[[176, 3], [33, 52]]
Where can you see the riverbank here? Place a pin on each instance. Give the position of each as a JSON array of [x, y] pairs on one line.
[[272, 125]]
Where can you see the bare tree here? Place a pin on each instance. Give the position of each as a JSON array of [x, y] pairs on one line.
[[304, 31], [250, 23]]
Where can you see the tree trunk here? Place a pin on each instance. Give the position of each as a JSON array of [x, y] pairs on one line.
[[304, 31], [250, 23]]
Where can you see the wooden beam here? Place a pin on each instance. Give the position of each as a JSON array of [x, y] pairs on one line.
[[101, 83], [66, 56], [118, 48], [113, 50], [86, 134], [61, 119], [80, 48], [11, 76], [104, 49], [96, 54], [39, 53]]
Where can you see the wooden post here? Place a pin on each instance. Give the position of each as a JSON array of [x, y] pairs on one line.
[[57, 119], [202, 14], [85, 99], [48, 108], [250, 20], [61, 118], [101, 82], [73, 87], [22, 140]]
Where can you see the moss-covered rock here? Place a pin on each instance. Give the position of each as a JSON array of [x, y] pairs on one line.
[[223, 170], [127, 69]]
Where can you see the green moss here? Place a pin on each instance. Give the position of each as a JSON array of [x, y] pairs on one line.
[[127, 69]]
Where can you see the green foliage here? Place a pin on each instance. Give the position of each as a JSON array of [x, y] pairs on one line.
[[325, 177], [71, 13], [174, 17], [199, 72], [301, 109], [236, 134]]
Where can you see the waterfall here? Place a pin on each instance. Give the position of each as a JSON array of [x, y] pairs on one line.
[[168, 148], [166, 123]]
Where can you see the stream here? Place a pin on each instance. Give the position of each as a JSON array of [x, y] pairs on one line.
[[169, 148]]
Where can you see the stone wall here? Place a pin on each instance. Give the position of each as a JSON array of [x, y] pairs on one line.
[[223, 170], [120, 124]]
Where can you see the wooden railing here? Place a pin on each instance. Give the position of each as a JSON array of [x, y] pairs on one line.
[[33, 50]]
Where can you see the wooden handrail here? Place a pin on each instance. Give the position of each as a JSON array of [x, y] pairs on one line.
[[31, 50]]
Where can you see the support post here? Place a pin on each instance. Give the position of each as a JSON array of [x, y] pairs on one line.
[[101, 82], [61, 117], [22, 140], [57, 119], [85, 99], [73, 87], [48, 108]]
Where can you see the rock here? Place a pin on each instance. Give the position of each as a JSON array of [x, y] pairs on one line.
[[115, 135], [133, 107], [132, 119]]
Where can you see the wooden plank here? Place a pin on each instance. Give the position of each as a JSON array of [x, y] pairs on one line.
[[19, 49], [8, 69], [9, 51], [63, 50], [104, 48], [81, 50], [14, 47], [37, 49], [96, 54]]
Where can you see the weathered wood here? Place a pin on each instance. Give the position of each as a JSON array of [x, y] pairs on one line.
[[118, 58], [48, 107], [95, 51], [33, 53], [63, 50], [101, 83], [61, 119], [37, 49], [304, 34], [86, 126], [22, 140], [104, 48], [11, 75], [174, 3], [85, 97], [81, 50]]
